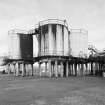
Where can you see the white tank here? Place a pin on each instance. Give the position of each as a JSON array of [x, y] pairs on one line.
[[14, 46], [53, 38], [78, 42], [20, 45]]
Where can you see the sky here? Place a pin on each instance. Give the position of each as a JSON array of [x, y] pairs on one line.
[[24, 14]]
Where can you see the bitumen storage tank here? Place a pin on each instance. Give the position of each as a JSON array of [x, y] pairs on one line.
[[53, 38], [21, 46], [78, 42], [20, 53]]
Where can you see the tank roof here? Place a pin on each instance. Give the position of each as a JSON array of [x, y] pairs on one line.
[[79, 31], [53, 21]]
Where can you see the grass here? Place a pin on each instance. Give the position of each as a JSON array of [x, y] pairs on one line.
[[52, 91]]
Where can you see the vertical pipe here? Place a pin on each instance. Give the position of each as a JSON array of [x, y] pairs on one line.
[[40, 44], [69, 42], [62, 40]]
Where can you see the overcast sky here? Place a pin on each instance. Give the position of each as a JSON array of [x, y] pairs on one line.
[[24, 14]]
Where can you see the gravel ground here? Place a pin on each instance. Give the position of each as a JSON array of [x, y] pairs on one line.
[[52, 91]]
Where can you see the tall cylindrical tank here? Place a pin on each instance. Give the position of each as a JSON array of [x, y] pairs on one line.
[[53, 38], [78, 42], [20, 46]]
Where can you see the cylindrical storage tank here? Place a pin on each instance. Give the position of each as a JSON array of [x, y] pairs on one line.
[[20, 46], [78, 42], [53, 38]]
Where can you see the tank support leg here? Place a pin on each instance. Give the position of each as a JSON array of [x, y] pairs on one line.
[[14, 69], [71, 69], [26, 71], [45, 68], [52, 70], [75, 69], [49, 68], [66, 69], [22, 66], [40, 74], [56, 69], [17, 69], [9, 69], [32, 73], [86, 68], [61, 69]]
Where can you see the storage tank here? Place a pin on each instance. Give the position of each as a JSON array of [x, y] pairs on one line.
[[53, 38], [20, 45], [78, 42]]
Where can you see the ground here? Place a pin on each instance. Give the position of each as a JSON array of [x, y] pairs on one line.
[[53, 91]]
